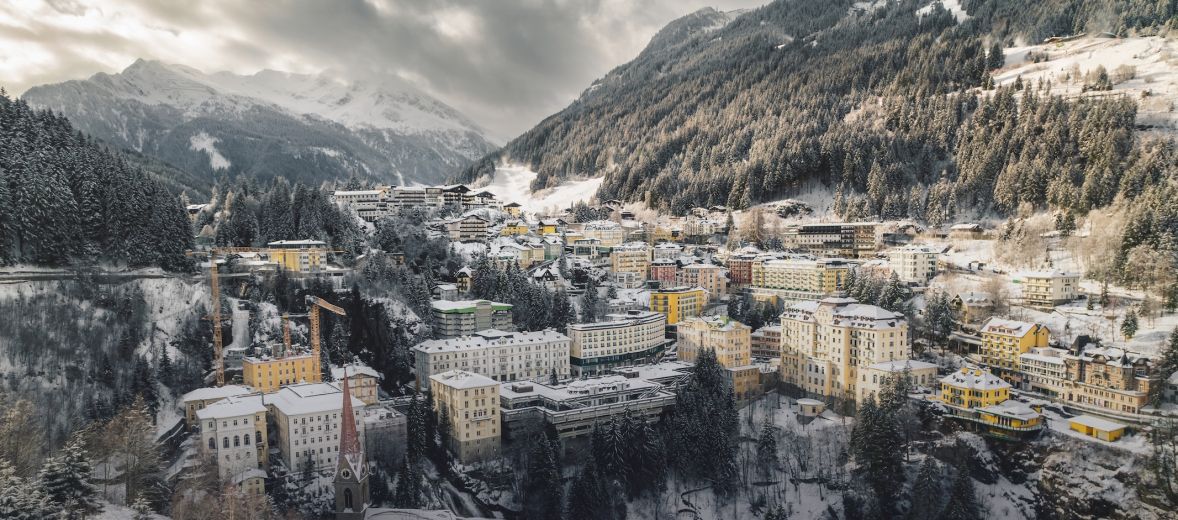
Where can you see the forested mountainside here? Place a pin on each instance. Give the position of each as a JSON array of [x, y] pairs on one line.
[[65, 199], [271, 124], [889, 104]]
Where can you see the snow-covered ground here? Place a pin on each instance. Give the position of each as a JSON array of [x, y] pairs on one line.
[[1154, 87], [512, 183]]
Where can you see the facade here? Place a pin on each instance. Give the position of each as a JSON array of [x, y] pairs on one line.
[[467, 229], [308, 418], [267, 374], [664, 271], [913, 264], [472, 402], [1048, 289], [633, 257], [1043, 370], [383, 201], [839, 239], [982, 400], [973, 307], [574, 408], [611, 234], [825, 343], [875, 378], [667, 250], [765, 342], [233, 435], [619, 340], [798, 279], [727, 337], [362, 381], [465, 317], [678, 303], [501, 356], [740, 267], [711, 278], [1108, 378], [300, 256], [514, 227], [1102, 429], [1003, 341]]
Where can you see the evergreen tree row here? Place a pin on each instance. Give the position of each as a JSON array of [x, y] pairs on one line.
[[65, 200]]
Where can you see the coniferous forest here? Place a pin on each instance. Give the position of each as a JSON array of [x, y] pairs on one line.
[[64, 199]]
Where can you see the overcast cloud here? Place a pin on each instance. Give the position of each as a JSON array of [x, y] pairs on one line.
[[506, 64]]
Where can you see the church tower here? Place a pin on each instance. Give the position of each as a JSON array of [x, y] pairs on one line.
[[351, 472]]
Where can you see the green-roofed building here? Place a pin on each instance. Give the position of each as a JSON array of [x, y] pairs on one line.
[[463, 318]]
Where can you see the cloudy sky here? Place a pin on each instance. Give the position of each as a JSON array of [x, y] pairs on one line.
[[505, 63]]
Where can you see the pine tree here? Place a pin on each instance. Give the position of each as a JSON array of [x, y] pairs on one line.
[[164, 367], [767, 449], [21, 499], [1167, 365], [542, 488], [705, 425], [407, 492], [64, 480], [926, 491], [594, 496], [776, 512], [1129, 325], [142, 509], [963, 501], [589, 302]]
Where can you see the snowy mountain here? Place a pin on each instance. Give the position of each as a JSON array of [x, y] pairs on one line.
[[306, 127]]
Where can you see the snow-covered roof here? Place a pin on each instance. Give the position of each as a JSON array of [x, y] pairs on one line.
[[975, 298], [310, 398], [297, 243], [901, 365], [215, 392], [1097, 423], [461, 379], [233, 406], [248, 474], [1008, 327], [574, 389], [1050, 274], [1011, 408], [358, 193], [489, 338], [974, 379], [465, 305], [353, 370]]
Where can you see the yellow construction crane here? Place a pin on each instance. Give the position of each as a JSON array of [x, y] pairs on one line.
[[315, 303], [215, 292]]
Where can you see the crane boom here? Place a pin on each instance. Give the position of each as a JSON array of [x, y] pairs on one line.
[[316, 303], [215, 290]]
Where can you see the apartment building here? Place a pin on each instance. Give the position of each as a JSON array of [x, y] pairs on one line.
[[514, 227], [914, 264], [384, 201], [765, 342], [1048, 289], [499, 355], [465, 317], [973, 307], [363, 381], [1043, 370], [664, 271], [1108, 378], [232, 435], [299, 256], [740, 267], [712, 278], [1003, 341], [610, 234], [825, 343], [574, 408], [799, 279], [678, 303], [632, 258], [730, 339], [667, 251], [837, 239], [307, 419], [470, 228], [981, 400], [618, 340], [267, 374], [873, 379], [472, 402]]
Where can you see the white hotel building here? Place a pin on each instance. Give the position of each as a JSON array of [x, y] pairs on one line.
[[233, 434], [620, 340], [307, 417], [499, 355]]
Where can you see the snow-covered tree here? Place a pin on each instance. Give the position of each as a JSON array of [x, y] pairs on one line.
[[64, 478]]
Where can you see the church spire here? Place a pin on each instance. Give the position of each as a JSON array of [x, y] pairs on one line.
[[349, 448]]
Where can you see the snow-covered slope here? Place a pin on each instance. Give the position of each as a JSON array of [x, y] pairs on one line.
[[513, 183], [271, 123]]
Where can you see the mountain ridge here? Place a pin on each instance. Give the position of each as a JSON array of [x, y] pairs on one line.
[[310, 128]]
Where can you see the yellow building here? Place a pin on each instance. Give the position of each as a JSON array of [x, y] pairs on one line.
[[801, 279], [363, 381], [678, 303], [270, 374], [730, 339], [300, 256], [633, 257], [982, 400], [551, 226], [472, 402], [1102, 429], [1003, 341], [512, 208], [514, 227]]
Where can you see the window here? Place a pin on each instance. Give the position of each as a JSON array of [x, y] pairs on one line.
[[246, 439], [212, 443], [225, 442], [236, 441]]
